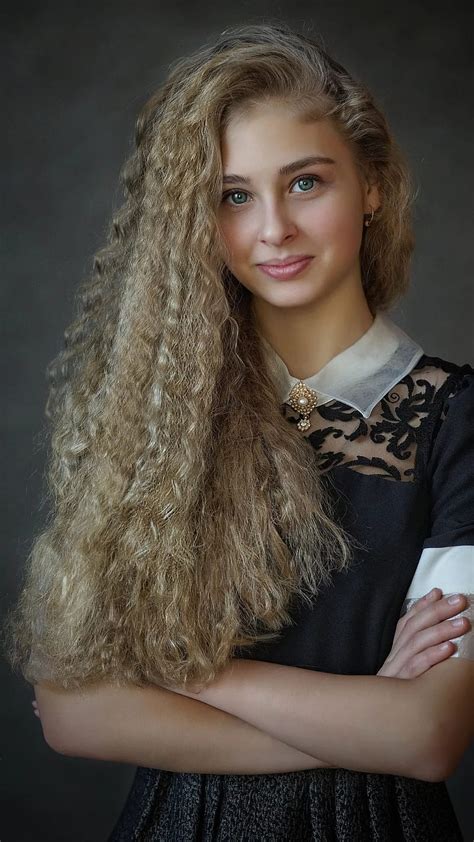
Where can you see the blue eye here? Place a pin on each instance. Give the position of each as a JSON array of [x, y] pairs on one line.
[[302, 178], [234, 193], [307, 178]]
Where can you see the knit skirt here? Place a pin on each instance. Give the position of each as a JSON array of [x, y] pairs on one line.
[[317, 805]]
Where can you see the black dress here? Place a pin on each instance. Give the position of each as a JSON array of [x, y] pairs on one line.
[[402, 477]]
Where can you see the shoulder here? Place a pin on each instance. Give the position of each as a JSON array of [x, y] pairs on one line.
[[442, 381], [440, 405], [440, 371], [449, 411]]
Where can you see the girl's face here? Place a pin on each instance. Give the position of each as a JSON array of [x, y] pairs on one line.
[[277, 205]]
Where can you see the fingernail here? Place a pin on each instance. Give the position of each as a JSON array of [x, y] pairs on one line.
[[454, 598]]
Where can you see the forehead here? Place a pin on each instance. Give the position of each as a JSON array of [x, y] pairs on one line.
[[272, 134]]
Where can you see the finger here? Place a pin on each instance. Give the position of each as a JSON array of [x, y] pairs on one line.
[[426, 640], [426, 659], [434, 613], [429, 615], [435, 635], [431, 596], [419, 605], [415, 665]]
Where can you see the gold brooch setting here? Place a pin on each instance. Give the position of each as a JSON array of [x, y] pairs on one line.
[[303, 400]]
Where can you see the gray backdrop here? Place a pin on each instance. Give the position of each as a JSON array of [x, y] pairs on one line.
[[76, 75]]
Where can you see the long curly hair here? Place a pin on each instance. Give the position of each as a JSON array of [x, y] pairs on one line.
[[186, 513]]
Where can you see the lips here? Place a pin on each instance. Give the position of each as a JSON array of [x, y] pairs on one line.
[[286, 261], [285, 270]]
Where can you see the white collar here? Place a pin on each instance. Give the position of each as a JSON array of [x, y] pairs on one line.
[[362, 374]]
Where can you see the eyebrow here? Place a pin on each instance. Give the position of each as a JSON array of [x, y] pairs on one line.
[[286, 169]]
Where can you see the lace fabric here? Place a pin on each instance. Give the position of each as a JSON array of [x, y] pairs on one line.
[[389, 443]]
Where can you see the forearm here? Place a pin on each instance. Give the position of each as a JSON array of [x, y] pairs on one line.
[[158, 728], [364, 723]]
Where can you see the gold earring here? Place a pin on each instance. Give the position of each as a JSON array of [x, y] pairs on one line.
[[366, 220]]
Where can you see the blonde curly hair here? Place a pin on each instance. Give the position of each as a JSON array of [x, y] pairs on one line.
[[186, 513]]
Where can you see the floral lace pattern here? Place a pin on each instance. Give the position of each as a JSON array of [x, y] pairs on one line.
[[388, 442]]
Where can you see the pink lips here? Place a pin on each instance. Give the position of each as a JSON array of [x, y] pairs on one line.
[[285, 270]]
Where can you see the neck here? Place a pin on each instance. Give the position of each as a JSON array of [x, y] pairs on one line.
[[306, 338]]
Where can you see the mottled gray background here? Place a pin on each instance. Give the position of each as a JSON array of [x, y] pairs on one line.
[[75, 76]]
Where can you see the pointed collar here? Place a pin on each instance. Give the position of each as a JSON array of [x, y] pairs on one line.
[[362, 374]]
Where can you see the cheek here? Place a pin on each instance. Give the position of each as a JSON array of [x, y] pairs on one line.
[[237, 236], [337, 225]]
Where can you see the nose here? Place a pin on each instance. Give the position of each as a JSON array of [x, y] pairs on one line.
[[277, 225]]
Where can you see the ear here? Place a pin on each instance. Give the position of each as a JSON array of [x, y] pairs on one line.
[[372, 199]]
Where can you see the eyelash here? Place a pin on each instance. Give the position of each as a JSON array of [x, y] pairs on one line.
[[300, 178]]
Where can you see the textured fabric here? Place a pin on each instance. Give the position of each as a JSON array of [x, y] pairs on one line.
[[323, 805], [402, 481]]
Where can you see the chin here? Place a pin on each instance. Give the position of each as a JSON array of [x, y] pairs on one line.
[[291, 294]]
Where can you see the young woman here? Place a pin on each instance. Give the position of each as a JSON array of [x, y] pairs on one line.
[[257, 475]]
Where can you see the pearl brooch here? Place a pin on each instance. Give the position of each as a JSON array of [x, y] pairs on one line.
[[303, 400]]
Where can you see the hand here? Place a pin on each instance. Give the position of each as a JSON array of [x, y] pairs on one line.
[[423, 636]]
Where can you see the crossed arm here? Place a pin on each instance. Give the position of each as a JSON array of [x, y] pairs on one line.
[[259, 717], [418, 728], [157, 728]]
